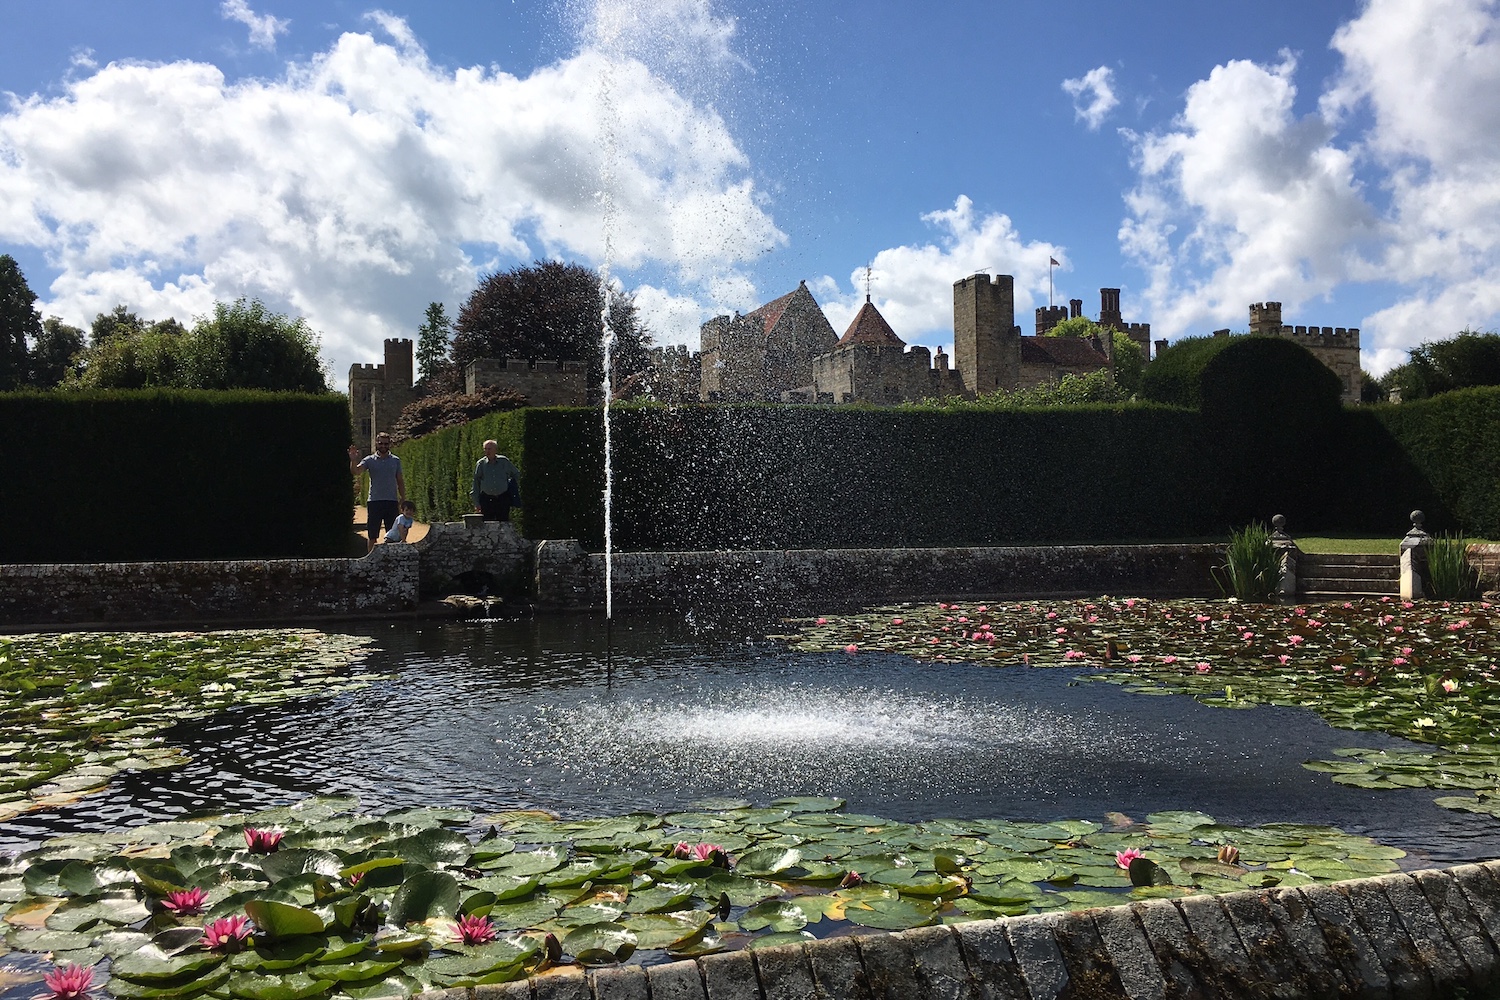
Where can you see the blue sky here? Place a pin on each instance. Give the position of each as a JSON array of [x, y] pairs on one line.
[[351, 163]]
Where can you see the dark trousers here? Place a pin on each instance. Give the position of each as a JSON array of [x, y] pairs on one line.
[[495, 508]]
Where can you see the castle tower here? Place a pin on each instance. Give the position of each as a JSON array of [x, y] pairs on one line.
[[986, 343], [1109, 309], [1265, 318], [398, 366]]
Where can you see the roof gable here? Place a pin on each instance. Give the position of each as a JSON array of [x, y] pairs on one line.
[[869, 327]]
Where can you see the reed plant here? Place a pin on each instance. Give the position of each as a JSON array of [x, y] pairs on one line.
[[1252, 567], [1450, 574]]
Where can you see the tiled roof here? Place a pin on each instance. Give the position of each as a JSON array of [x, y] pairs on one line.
[[1074, 352], [869, 327], [769, 314]]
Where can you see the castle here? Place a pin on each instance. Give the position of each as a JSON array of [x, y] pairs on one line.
[[378, 393], [786, 351]]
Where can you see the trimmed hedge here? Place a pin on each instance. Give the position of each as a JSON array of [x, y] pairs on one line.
[[705, 477], [105, 476]]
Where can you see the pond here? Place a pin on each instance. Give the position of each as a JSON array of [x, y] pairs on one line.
[[657, 788], [659, 714]]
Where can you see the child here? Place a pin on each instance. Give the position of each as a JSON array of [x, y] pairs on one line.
[[403, 522]]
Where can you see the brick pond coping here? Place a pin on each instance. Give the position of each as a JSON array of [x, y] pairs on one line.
[[1431, 933]]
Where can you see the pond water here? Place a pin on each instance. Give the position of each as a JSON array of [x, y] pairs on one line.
[[554, 714]]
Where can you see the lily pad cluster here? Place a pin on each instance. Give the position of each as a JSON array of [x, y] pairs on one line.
[[371, 908], [1425, 671], [79, 708]]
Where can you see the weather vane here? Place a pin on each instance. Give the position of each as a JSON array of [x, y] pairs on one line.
[[867, 282]]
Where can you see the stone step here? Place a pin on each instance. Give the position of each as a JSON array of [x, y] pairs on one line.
[[1374, 585], [1348, 559]]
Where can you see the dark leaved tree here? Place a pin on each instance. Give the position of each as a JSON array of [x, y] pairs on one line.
[[56, 354], [550, 310], [19, 323]]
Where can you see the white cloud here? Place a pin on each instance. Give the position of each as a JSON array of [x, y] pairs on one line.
[[1428, 73], [263, 27], [671, 318], [347, 189], [912, 285], [1093, 96], [1240, 200]]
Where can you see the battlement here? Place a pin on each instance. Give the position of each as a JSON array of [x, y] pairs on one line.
[[1326, 336], [366, 371], [1048, 317], [397, 341]]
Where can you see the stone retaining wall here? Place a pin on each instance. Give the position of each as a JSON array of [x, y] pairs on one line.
[[1408, 935], [233, 591], [569, 577]]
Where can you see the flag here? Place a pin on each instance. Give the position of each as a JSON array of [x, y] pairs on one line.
[[1053, 262]]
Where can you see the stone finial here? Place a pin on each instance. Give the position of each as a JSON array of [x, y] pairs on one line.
[[1278, 529], [1413, 553]]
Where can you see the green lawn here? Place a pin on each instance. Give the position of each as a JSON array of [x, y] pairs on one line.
[[1357, 546]]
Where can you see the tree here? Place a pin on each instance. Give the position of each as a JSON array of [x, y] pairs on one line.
[[56, 355], [550, 310], [145, 356], [1468, 359], [435, 368], [1130, 360], [243, 345], [19, 323], [118, 322]]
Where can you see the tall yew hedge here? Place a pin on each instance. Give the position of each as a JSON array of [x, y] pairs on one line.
[[797, 477], [128, 476]]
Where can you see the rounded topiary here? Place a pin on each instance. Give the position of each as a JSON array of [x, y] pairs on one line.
[[1175, 376], [1254, 378]]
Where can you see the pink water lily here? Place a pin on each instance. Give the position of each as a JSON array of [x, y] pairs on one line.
[[475, 929], [1073, 654], [711, 853], [1123, 858], [1284, 659], [1203, 668], [851, 649], [185, 903], [1294, 639], [263, 841], [1449, 685], [227, 934], [69, 982]]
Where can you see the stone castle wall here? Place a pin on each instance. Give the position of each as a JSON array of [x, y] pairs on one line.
[[543, 383], [865, 373]]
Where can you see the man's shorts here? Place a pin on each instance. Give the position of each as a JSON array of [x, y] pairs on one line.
[[380, 515]]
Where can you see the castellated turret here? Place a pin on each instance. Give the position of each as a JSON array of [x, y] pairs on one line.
[[985, 332], [1335, 346]]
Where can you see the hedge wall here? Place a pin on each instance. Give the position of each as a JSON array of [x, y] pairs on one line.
[[130, 476], [798, 477]]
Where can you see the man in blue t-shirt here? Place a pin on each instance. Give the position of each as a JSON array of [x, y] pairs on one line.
[[387, 485]]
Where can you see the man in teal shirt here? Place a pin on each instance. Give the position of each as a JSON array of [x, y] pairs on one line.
[[497, 484]]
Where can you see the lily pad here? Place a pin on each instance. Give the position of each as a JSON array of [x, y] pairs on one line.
[[600, 944], [425, 895]]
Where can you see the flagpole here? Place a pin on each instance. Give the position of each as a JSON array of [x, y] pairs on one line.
[[1050, 265]]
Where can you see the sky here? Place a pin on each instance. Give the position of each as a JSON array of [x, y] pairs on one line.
[[351, 163]]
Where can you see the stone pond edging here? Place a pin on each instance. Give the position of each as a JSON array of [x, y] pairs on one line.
[[562, 576], [569, 577], [1412, 935]]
